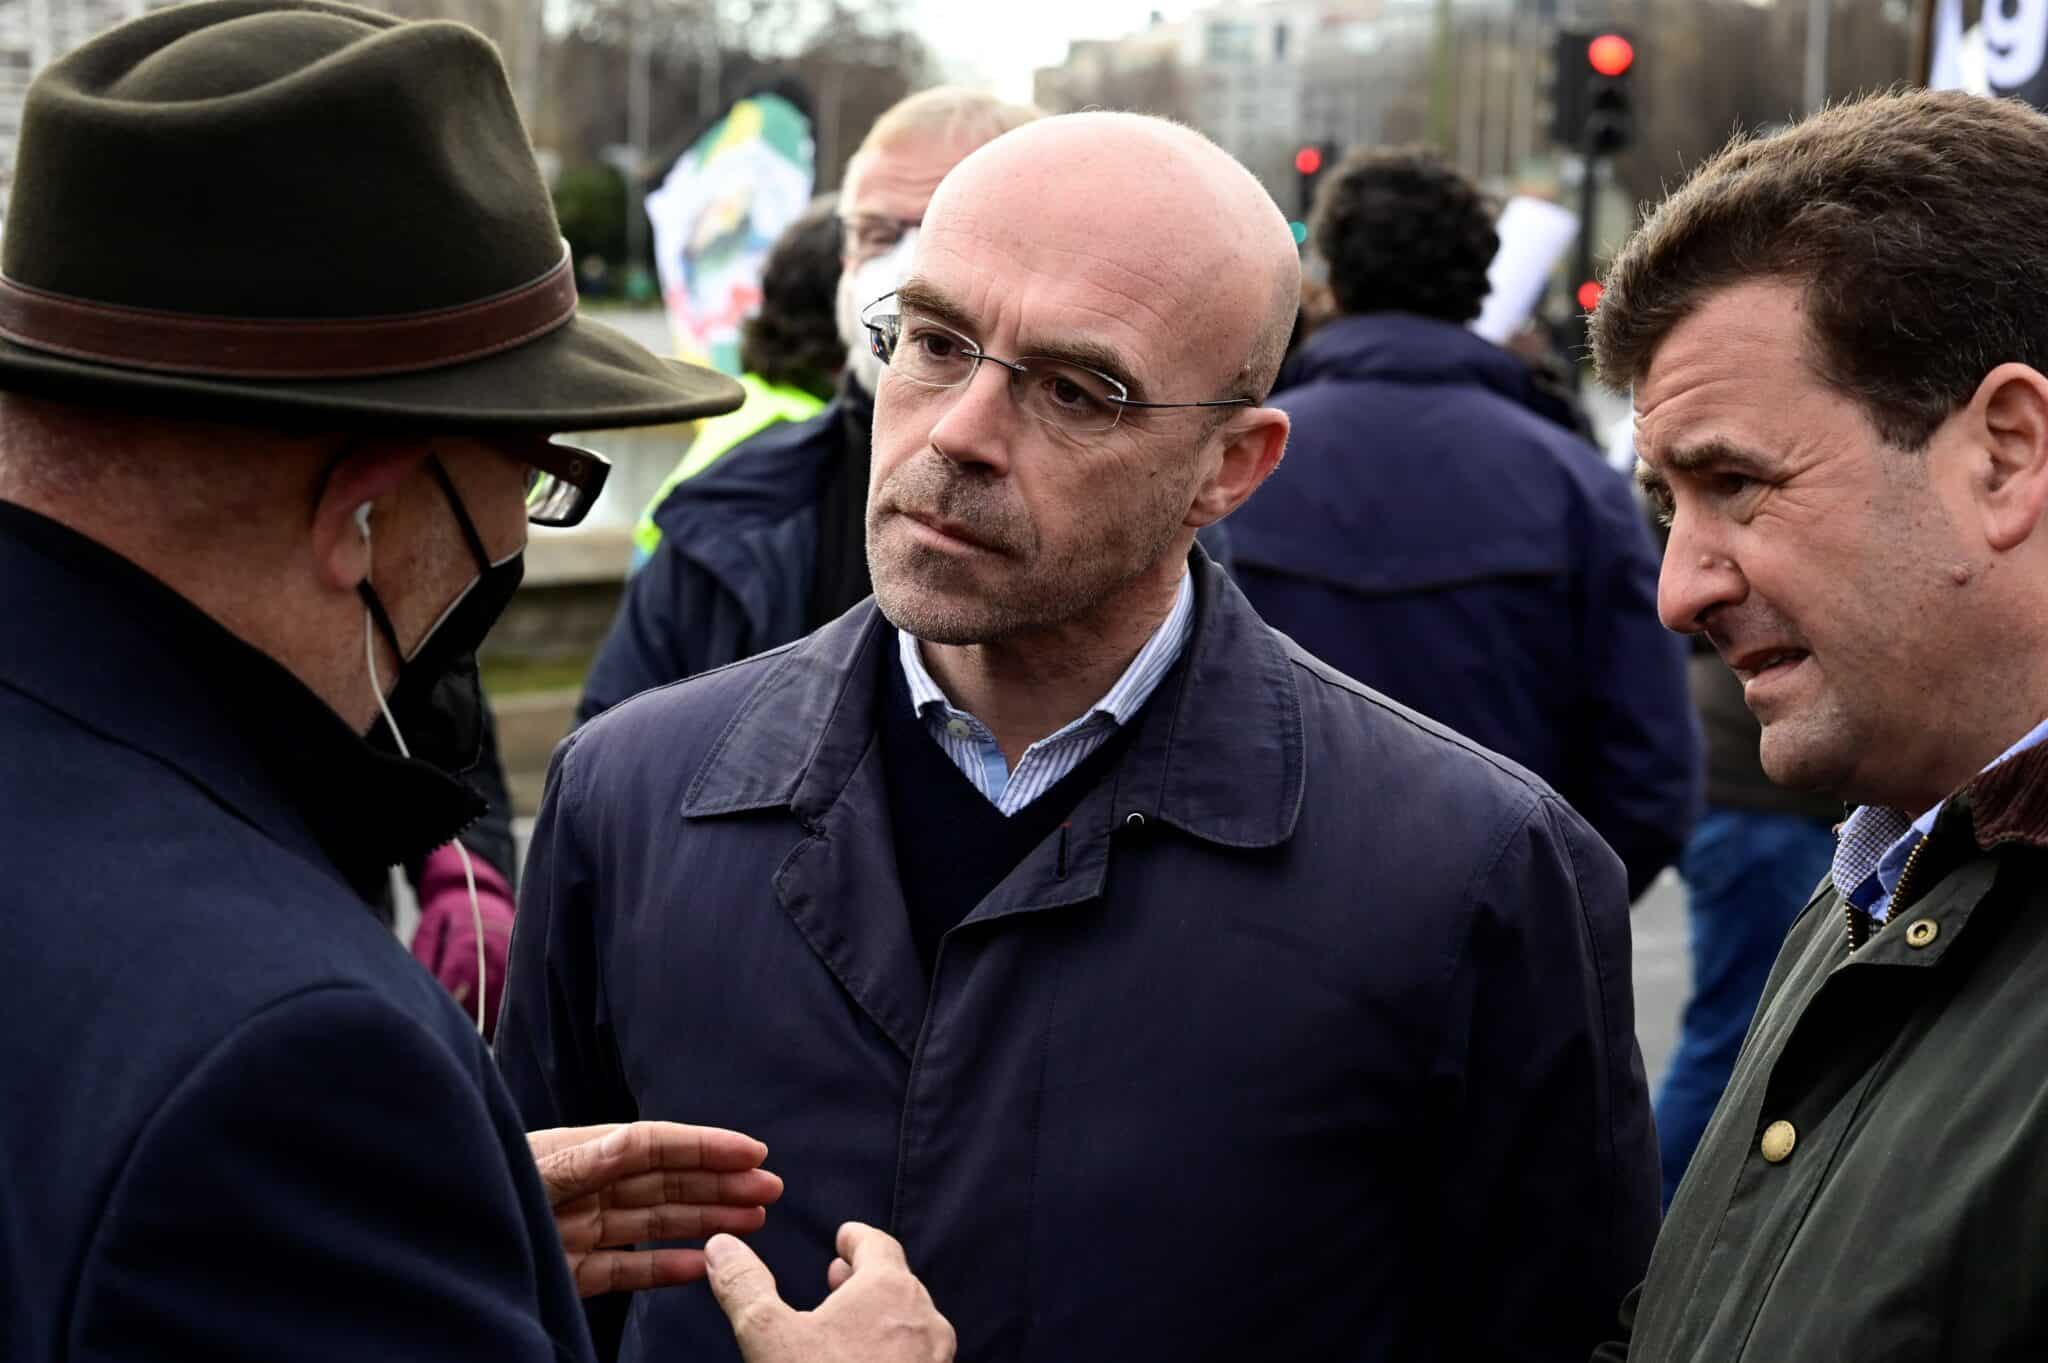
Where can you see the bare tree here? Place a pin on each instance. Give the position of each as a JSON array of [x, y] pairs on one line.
[[850, 61], [1710, 68]]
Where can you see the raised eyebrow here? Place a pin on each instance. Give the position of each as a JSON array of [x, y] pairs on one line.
[[1717, 454], [917, 294]]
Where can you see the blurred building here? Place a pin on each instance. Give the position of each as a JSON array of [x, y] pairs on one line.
[[1265, 77], [31, 33]]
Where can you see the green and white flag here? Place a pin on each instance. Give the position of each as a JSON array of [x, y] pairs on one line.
[[720, 208]]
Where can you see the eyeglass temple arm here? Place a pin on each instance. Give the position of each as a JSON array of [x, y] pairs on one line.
[[1214, 402]]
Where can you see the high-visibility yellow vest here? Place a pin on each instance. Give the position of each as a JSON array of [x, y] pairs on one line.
[[766, 404]]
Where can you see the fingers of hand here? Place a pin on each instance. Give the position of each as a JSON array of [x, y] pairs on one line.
[[667, 1222], [674, 1145], [550, 1139], [862, 1245], [638, 1148], [696, 1187], [578, 1170], [745, 1289], [884, 1313], [637, 1270], [875, 1296]]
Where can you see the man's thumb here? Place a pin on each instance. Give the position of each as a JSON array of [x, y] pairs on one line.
[[743, 1285]]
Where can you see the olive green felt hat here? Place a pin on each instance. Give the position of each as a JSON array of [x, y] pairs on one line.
[[305, 212]]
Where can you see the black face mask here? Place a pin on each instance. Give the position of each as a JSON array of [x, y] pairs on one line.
[[438, 704]]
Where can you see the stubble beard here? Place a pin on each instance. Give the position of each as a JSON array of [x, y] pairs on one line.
[[1812, 748], [933, 596]]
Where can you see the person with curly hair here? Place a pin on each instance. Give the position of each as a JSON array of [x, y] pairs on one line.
[[1439, 535], [1400, 231]]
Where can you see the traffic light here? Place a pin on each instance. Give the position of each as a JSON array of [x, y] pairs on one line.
[[1309, 164], [1594, 114]]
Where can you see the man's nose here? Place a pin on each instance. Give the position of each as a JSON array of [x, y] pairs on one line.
[[1698, 575], [979, 421]]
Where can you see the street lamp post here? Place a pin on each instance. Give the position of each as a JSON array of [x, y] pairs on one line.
[[1818, 12], [638, 99]]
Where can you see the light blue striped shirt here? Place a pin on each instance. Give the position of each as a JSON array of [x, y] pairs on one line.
[[973, 749], [1875, 843]]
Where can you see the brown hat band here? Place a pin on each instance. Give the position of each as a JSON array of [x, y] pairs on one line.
[[260, 348]]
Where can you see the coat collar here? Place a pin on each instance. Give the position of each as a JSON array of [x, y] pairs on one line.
[[1401, 347], [100, 640], [2005, 804], [1222, 756], [2008, 802]]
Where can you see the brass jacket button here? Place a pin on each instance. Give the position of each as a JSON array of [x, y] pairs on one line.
[[1779, 1138], [1922, 932]]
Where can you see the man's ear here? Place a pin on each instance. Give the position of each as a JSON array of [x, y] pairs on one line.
[[369, 473], [1254, 443], [2009, 468]]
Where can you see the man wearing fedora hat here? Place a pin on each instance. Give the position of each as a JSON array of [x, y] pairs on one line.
[[266, 460]]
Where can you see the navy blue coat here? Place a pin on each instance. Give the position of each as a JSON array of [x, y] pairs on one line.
[[240, 1121], [1431, 534], [733, 572], [1309, 1037]]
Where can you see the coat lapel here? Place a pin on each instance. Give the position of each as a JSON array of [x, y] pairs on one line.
[[840, 888], [805, 741], [1221, 757]]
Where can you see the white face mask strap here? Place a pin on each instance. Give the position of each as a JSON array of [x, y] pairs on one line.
[[476, 911]]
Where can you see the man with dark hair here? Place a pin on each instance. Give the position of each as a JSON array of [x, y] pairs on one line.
[[1438, 535], [268, 454], [1839, 361], [1086, 917], [790, 355]]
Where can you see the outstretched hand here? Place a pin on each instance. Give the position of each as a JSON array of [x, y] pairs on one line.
[[877, 1313], [618, 1185]]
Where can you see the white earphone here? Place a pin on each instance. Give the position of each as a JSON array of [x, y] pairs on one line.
[[361, 516]]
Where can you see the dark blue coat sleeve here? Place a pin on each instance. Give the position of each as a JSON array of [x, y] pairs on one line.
[[554, 1045], [554, 1042], [675, 620], [329, 1183], [1542, 1117], [1643, 778]]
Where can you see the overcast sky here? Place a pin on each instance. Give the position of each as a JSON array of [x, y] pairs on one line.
[[999, 45]]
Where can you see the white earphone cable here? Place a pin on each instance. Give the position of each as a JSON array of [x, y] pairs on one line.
[[476, 912]]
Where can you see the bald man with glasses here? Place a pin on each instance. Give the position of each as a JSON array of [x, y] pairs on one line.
[[767, 546], [1168, 994]]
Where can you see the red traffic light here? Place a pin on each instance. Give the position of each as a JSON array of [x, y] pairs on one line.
[[1610, 54], [1589, 295], [1309, 160]]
